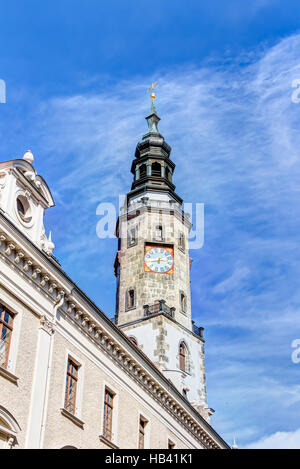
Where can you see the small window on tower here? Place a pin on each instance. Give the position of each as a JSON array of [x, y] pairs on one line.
[[159, 233], [182, 302], [156, 169], [182, 356], [181, 242], [130, 299], [132, 237]]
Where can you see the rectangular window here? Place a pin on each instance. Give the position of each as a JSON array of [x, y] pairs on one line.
[[181, 242], [108, 414], [6, 328], [132, 237], [130, 303], [71, 386], [158, 234], [142, 426]]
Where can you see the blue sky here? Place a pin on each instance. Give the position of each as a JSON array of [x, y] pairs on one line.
[[76, 74]]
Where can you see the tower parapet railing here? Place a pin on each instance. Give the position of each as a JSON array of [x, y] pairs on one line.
[[159, 307], [158, 204], [198, 330]]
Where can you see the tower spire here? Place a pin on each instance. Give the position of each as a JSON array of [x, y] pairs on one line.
[[153, 118]]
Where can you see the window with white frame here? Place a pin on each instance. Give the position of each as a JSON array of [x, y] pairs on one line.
[[9, 429], [6, 330], [108, 414], [71, 386], [142, 428]]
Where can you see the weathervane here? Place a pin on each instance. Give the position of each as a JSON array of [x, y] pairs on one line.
[[152, 87]]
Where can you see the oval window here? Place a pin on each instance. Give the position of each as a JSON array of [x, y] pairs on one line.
[[23, 209]]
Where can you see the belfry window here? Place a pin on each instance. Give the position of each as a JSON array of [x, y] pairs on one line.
[[130, 299], [71, 386], [6, 329], [142, 171], [182, 356], [156, 169], [168, 174]]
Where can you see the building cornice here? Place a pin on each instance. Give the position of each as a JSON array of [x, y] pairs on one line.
[[42, 272], [168, 318]]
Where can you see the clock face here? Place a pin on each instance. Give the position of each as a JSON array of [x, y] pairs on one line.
[[159, 259]]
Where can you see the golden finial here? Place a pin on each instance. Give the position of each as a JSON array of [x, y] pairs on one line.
[[152, 87]]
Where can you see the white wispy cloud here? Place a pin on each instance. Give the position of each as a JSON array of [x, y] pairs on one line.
[[239, 274], [278, 440]]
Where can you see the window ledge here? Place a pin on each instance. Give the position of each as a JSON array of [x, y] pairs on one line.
[[108, 442], [72, 417], [8, 375], [131, 245], [130, 309]]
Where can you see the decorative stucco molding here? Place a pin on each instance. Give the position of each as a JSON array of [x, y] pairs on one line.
[[47, 326]]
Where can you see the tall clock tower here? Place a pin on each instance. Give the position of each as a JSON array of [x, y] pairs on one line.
[[153, 269]]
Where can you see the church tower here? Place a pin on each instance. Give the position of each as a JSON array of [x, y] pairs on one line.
[[153, 269]]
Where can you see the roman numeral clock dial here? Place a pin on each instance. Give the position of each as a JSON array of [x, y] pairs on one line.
[[159, 259]]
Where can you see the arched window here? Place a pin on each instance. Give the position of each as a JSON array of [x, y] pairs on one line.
[[182, 356], [8, 429], [142, 171], [134, 340], [156, 169]]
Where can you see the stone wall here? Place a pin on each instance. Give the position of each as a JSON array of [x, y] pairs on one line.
[[151, 286]]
